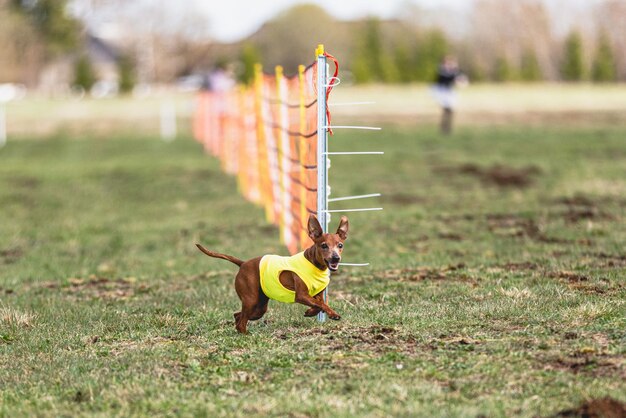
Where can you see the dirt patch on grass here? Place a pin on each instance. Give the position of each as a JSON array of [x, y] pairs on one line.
[[596, 408], [457, 217], [497, 175], [598, 338], [597, 367], [6, 291], [610, 260], [11, 255], [512, 225], [417, 274], [577, 200], [577, 208], [375, 338], [585, 200], [24, 182], [574, 214], [452, 342], [103, 288], [587, 284], [99, 288], [450, 236], [569, 276], [587, 360], [592, 288]]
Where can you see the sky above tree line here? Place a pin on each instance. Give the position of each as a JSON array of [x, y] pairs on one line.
[[229, 21], [229, 24]]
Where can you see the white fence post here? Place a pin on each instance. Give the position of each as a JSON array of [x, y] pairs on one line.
[[323, 160], [3, 124], [322, 146], [8, 92], [168, 121]]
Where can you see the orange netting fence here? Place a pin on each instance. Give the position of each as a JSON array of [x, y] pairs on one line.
[[267, 135]]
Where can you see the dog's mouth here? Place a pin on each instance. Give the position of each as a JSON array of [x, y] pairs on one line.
[[332, 265]]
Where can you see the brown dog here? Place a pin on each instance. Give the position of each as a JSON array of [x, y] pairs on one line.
[[254, 285]]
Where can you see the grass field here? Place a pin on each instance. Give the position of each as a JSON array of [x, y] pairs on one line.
[[479, 104], [496, 284]]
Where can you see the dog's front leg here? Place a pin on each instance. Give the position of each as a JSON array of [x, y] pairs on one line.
[[303, 297], [314, 311]]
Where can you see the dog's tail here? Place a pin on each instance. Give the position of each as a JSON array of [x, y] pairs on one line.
[[230, 258]]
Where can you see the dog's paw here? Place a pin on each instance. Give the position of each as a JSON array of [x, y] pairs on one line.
[[335, 316], [311, 312]]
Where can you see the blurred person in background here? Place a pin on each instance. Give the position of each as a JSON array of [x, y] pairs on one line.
[[221, 79], [448, 76]]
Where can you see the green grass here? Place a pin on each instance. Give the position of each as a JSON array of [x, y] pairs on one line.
[[481, 298], [572, 103], [482, 104]]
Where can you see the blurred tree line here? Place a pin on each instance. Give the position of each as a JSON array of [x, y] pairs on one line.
[[495, 41], [38, 34], [505, 42]]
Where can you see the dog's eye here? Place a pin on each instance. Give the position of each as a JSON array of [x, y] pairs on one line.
[[325, 246], [340, 245]]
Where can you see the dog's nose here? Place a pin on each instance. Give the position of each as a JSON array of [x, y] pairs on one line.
[[335, 258]]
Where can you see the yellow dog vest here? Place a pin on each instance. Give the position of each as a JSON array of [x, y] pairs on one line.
[[272, 265]]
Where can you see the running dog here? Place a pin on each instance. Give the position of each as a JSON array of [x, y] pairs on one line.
[[300, 278]]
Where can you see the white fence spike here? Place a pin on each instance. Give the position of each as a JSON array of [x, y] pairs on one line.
[[362, 196], [355, 153], [351, 104], [371, 128], [352, 210]]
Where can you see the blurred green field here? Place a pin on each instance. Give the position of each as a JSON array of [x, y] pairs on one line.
[[489, 103], [479, 104], [496, 284]]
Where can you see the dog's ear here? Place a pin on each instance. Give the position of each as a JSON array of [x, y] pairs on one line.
[[342, 231], [314, 228]]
